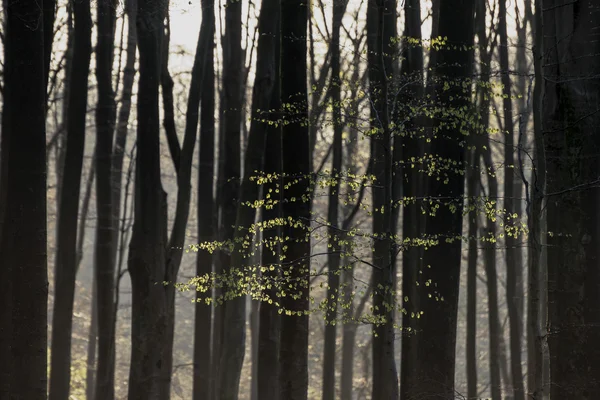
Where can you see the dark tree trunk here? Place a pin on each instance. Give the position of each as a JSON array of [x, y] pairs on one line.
[[572, 144], [436, 346], [234, 324], [381, 28], [473, 235], [203, 351], [228, 184], [66, 245], [105, 120], [412, 149], [297, 169], [183, 162], [147, 256], [334, 255], [23, 246], [269, 325], [123, 123], [536, 222]]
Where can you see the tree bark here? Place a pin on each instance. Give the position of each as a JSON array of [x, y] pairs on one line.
[[571, 143], [536, 222], [234, 326], [381, 28], [494, 327], [334, 255], [105, 120], [412, 186], [23, 246], [436, 346], [473, 236], [228, 184], [269, 326], [66, 245], [514, 263], [296, 167], [203, 351], [147, 256]]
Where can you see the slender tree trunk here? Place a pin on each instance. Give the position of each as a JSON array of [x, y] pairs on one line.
[[147, 256], [571, 144], [536, 222], [234, 327], [473, 235], [494, 330], [123, 122], [349, 329], [381, 27], [333, 257], [297, 169], [92, 347], [105, 119], [23, 245], [203, 351], [66, 246], [436, 346], [228, 185], [512, 238], [412, 147], [269, 326]]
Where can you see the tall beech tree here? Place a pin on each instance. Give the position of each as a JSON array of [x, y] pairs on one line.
[[293, 358], [334, 256], [23, 236], [234, 323], [411, 143], [229, 173], [66, 246], [147, 247], [571, 143], [203, 351], [103, 253], [441, 271], [381, 28], [512, 202], [269, 325]]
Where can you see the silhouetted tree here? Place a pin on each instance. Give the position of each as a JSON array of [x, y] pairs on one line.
[[571, 143], [23, 236], [66, 246], [436, 345], [293, 359], [204, 375]]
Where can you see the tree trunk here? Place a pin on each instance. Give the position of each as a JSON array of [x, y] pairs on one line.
[[412, 150], [494, 330], [105, 270], [333, 257], [536, 222], [23, 246], [381, 28], [228, 184], [147, 256], [514, 255], [123, 123], [436, 346], [234, 324], [473, 237], [297, 169], [571, 142], [269, 326], [66, 245], [203, 351]]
